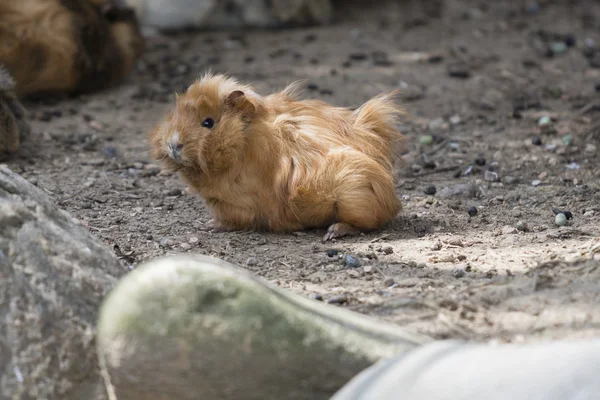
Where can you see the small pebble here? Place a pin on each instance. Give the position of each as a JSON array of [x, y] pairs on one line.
[[388, 282], [459, 70], [472, 211], [570, 40], [426, 139], [174, 192], [331, 253], [589, 42], [545, 120], [436, 246], [532, 7], [480, 161], [454, 146], [456, 242], [430, 164], [490, 176], [494, 166], [446, 258], [458, 273], [455, 119], [166, 243], [430, 190], [353, 274], [387, 250], [560, 219], [436, 125], [316, 296], [251, 261], [339, 299], [351, 261], [369, 269], [536, 183], [449, 304], [567, 139], [509, 230], [185, 246], [558, 48], [110, 151], [357, 56], [416, 168], [95, 124], [555, 91], [522, 226]]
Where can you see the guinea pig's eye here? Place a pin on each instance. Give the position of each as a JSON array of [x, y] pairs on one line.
[[208, 123]]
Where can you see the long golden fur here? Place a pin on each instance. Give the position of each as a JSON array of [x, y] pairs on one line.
[[279, 163]]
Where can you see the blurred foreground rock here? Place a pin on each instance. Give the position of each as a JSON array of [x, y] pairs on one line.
[[53, 275], [553, 370], [194, 327], [205, 14]]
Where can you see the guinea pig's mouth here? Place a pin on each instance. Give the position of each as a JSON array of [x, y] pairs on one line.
[[174, 153]]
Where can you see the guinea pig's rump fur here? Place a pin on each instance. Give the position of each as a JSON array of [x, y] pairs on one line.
[[282, 164]]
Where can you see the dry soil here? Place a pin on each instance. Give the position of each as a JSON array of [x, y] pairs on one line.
[[483, 83]]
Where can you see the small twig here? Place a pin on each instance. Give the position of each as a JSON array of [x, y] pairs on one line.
[[131, 196], [110, 184], [437, 171], [471, 243], [377, 239], [437, 148], [587, 108]]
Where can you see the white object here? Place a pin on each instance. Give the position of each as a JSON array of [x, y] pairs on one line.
[[180, 14]]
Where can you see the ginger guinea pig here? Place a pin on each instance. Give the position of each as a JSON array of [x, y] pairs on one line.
[[282, 164]]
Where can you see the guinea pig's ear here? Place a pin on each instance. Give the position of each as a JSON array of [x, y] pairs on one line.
[[238, 101]]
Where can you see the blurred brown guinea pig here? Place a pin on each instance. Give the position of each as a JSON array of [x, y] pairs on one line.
[[59, 47]]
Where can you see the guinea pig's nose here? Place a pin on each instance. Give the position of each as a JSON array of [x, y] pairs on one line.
[[175, 149]]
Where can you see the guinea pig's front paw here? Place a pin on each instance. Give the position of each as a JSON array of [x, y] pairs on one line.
[[214, 227], [340, 229]]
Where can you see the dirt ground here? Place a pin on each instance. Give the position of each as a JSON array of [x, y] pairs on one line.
[[478, 81]]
